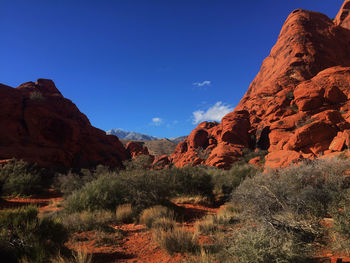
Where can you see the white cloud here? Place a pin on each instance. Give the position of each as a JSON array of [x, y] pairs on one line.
[[157, 121], [202, 84], [214, 113]]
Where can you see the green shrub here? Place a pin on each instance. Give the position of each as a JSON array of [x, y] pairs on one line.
[[177, 240], [285, 207], [225, 181], [103, 193], [140, 162], [20, 178], [340, 231], [149, 215], [262, 244], [308, 189], [26, 237], [145, 188], [67, 183], [190, 181], [139, 188]]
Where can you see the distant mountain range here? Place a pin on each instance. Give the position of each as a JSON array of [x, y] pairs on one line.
[[178, 139], [129, 135], [135, 136]]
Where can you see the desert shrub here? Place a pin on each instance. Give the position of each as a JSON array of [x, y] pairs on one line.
[[225, 181], [149, 215], [18, 177], [262, 243], [340, 231], [24, 236], [140, 162], [285, 207], [87, 220], [124, 213], [308, 189], [105, 192], [140, 188], [67, 183], [189, 181], [164, 223], [207, 225], [177, 240], [145, 188]]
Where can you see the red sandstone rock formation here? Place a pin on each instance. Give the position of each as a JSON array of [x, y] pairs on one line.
[[161, 162], [39, 125], [135, 149], [297, 106]]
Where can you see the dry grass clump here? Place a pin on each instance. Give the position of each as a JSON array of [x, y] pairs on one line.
[[229, 214], [103, 239], [88, 220], [79, 256], [164, 223], [195, 199], [149, 215], [177, 240], [124, 214], [208, 225]]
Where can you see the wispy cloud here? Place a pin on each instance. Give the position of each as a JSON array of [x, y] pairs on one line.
[[202, 84], [157, 121], [214, 113]]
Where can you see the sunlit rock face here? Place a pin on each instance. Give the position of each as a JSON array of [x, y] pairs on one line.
[[296, 107]]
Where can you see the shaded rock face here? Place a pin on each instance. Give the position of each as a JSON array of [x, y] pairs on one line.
[[136, 149], [297, 106], [39, 125]]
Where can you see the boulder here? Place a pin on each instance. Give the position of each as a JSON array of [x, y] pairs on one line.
[[135, 149]]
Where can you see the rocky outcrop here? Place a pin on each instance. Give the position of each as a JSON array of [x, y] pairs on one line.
[[136, 149], [298, 105], [39, 125], [161, 162]]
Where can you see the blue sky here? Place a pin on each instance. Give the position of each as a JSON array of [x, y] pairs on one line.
[[150, 66]]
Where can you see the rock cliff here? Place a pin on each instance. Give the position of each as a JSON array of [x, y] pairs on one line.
[[39, 125], [296, 107]]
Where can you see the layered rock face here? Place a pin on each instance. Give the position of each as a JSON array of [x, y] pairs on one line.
[[297, 106], [39, 125]]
